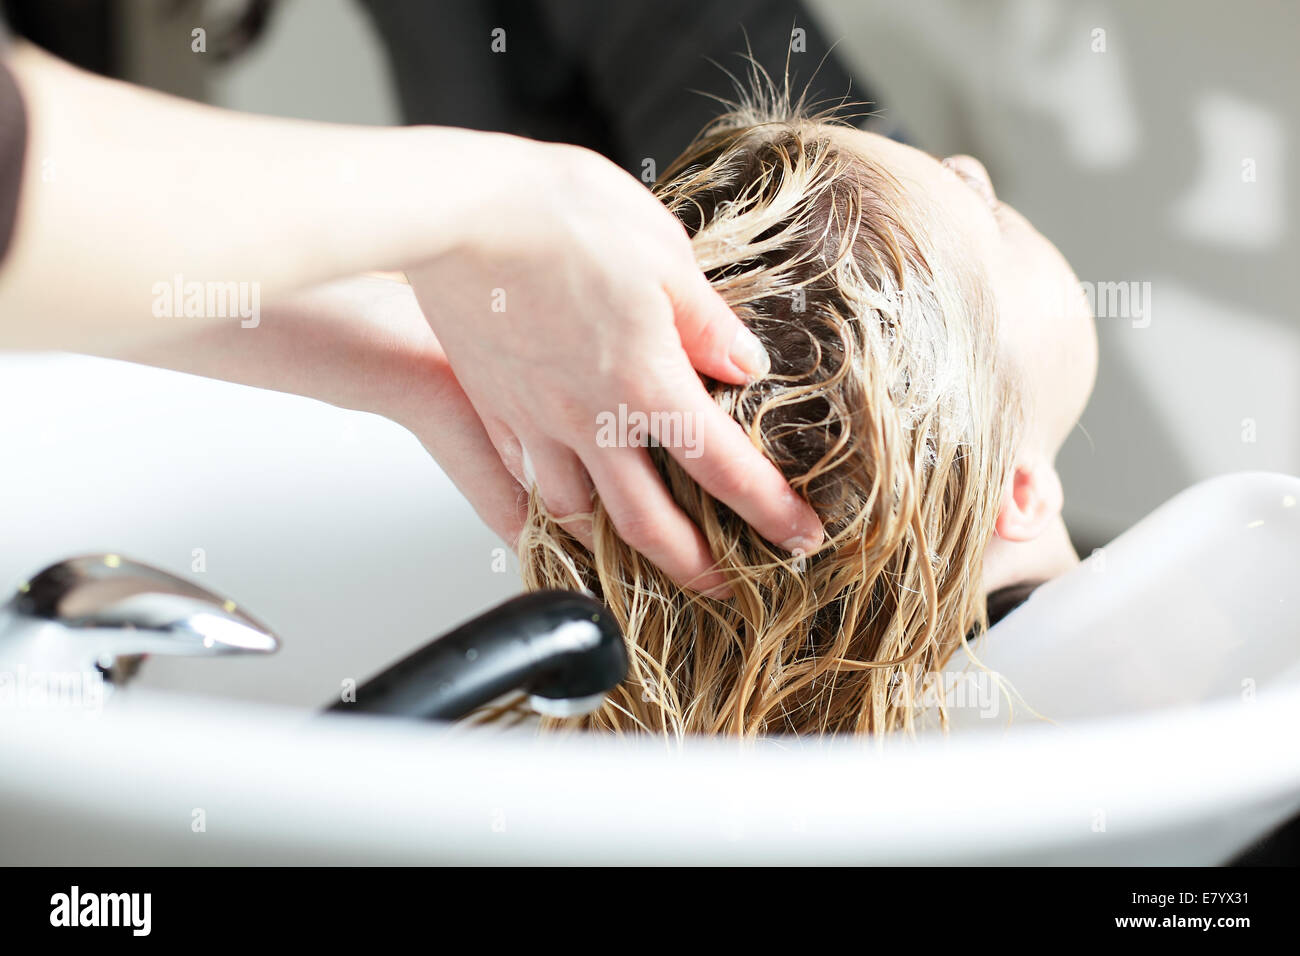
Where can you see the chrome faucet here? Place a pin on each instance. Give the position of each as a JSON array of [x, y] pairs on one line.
[[101, 615], [80, 629]]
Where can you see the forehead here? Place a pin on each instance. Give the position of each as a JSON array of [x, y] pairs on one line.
[[927, 181], [1023, 264], [1040, 303]]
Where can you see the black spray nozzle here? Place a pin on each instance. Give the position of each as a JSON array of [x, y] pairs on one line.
[[562, 648]]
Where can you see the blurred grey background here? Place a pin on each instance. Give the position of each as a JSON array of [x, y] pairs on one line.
[[1153, 142]]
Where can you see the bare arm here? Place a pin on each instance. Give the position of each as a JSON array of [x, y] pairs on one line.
[[361, 344], [125, 188]]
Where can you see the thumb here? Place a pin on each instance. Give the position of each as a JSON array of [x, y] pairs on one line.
[[716, 341]]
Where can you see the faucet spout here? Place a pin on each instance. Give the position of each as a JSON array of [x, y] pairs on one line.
[[107, 613]]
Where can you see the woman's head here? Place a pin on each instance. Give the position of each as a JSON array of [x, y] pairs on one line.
[[1046, 338], [902, 402]]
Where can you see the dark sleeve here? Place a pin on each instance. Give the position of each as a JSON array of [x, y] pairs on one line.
[[654, 72], [13, 146], [624, 79]]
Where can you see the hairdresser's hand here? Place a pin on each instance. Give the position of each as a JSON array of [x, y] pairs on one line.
[[573, 301]]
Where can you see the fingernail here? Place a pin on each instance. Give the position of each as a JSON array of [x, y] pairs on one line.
[[748, 355], [530, 475], [802, 545]]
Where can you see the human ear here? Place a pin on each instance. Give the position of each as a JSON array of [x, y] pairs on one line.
[[1033, 498]]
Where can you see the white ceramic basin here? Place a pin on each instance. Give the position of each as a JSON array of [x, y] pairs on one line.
[[338, 532]]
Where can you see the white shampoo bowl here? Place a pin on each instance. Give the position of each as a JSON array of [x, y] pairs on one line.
[[1198, 602], [1168, 664]]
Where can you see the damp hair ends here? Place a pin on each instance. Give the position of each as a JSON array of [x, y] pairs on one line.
[[887, 407]]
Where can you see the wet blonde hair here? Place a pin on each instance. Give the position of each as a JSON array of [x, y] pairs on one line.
[[888, 408]]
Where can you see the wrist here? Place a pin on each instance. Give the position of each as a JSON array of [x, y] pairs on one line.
[[394, 363], [460, 176], [406, 374]]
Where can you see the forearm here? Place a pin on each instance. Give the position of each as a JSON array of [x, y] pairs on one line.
[[358, 343], [125, 189], [362, 344]]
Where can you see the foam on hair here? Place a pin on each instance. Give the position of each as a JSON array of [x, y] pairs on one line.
[[887, 407]]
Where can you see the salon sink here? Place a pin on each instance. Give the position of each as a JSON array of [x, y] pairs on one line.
[[1163, 684], [179, 780], [1198, 602]]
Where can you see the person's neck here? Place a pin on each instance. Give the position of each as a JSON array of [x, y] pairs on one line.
[[1046, 556]]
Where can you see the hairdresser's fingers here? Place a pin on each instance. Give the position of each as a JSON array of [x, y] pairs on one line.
[[728, 466], [495, 497], [648, 519], [716, 341], [459, 442], [562, 483], [510, 451]]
